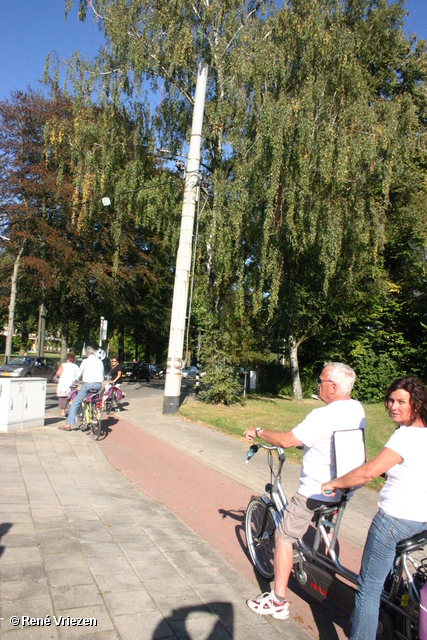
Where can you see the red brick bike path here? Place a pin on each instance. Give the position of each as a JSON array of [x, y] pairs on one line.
[[214, 506]]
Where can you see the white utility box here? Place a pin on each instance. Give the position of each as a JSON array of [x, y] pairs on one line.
[[22, 403]]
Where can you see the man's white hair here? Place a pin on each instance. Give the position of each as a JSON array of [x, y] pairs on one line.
[[89, 351], [342, 375]]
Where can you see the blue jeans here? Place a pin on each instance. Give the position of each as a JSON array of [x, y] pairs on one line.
[[380, 548], [85, 388]]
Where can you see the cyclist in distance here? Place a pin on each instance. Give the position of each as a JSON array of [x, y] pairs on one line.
[[116, 372], [92, 373], [315, 433]]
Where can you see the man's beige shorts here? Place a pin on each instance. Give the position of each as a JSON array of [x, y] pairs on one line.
[[297, 517]]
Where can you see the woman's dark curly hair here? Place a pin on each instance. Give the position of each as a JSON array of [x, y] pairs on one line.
[[417, 396]]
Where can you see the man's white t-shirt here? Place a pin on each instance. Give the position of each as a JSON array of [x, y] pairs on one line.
[[404, 494], [91, 369], [316, 434]]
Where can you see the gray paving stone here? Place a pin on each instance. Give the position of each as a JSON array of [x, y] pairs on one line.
[[196, 628], [19, 540], [103, 565], [65, 561], [65, 577], [34, 607], [27, 571], [144, 627], [161, 569], [31, 633], [20, 554], [98, 613], [118, 582], [75, 596], [23, 589], [101, 549], [186, 559], [130, 602]]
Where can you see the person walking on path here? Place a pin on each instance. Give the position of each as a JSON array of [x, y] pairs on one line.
[[315, 432], [403, 499], [92, 373], [65, 375]]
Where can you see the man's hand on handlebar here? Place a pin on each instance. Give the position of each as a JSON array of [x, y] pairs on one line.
[[328, 489], [252, 432]]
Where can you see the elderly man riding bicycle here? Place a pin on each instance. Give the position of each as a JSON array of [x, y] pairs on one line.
[[315, 433], [92, 373]]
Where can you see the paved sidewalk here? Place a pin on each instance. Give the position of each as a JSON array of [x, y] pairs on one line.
[[81, 543]]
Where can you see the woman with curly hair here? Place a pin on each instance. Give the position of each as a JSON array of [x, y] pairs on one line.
[[402, 501]]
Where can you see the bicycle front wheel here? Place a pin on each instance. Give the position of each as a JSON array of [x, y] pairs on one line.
[[260, 530], [95, 425], [81, 418]]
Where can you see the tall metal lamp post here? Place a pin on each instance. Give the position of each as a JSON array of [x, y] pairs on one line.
[[183, 262]]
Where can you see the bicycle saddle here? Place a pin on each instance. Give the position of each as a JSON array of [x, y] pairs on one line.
[[326, 510], [413, 543], [92, 397]]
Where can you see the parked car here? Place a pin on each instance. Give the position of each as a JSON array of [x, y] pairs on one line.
[[130, 371], [160, 371], [144, 371], [133, 371], [190, 372], [24, 367]]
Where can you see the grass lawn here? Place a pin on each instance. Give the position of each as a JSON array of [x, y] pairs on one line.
[[282, 414]]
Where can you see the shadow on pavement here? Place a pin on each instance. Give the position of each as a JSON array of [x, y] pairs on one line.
[[4, 528], [189, 622], [239, 515], [51, 421]]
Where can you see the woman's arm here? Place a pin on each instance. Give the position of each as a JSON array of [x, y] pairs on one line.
[[382, 462]]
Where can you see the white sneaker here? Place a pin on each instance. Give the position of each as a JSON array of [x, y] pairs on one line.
[[265, 605]]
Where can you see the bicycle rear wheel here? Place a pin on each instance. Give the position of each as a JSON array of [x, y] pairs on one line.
[[260, 529], [95, 424]]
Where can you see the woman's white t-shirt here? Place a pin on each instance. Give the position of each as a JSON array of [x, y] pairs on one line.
[[404, 494], [68, 375]]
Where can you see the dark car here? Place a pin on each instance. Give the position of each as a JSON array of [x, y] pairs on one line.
[[24, 367], [144, 371], [130, 371]]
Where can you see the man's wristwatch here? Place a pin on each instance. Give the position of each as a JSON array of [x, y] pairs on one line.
[[257, 431]]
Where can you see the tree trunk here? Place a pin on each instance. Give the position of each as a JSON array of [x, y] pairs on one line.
[[293, 358], [147, 356], [86, 331], [64, 343], [13, 289], [136, 340], [41, 335], [24, 340], [121, 343]]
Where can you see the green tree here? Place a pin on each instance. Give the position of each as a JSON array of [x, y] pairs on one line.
[[327, 128]]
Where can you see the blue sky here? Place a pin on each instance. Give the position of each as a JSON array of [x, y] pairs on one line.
[[30, 29]]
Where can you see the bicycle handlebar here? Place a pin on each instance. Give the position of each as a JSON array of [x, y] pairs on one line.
[[254, 448]]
